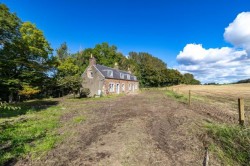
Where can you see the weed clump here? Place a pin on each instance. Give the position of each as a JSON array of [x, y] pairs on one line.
[[231, 143]]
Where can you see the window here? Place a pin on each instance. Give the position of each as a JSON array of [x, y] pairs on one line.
[[111, 87], [121, 75], [129, 87], [123, 87], [135, 86], [128, 76], [90, 73], [135, 78], [110, 73]]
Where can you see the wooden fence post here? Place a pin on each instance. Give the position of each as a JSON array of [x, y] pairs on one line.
[[241, 111], [206, 158], [189, 98]]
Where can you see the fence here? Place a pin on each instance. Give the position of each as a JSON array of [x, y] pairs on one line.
[[231, 106]]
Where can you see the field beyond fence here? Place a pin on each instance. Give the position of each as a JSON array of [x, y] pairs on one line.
[[219, 100]]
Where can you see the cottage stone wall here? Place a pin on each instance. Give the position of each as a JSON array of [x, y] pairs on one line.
[[134, 86], [95, 83]]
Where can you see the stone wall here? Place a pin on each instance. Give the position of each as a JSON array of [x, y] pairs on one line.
[[94, 83], [129, 86]]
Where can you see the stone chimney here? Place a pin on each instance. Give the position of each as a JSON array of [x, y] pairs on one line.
[[129, 71], [116, 66], [92, 60]]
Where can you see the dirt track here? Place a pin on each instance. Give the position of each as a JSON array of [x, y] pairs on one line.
[[144, 129]]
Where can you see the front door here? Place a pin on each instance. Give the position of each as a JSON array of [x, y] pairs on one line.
[[117, 88]]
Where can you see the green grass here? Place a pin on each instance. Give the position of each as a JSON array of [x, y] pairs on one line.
[[33, 133], [184, 97], [178, 97], [79, 119], [25, 107], [231, 143]]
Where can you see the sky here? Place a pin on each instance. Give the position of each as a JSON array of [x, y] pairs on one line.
[[208, 38]]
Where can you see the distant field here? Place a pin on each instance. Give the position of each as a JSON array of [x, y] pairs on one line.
[[224, 97], [228, 91]]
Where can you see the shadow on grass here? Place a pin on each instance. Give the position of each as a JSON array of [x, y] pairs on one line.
[[29, 106]]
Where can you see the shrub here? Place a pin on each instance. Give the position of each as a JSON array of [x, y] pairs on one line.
[[84, 92]]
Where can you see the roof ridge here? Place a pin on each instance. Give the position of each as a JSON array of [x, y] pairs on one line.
[[116, 69]]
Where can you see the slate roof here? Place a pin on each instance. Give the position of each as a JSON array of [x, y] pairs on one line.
[[109, 72]]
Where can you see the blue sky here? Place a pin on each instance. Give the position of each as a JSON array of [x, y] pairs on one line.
[[160, 27]]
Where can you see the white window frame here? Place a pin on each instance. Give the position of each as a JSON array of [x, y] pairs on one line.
[[90, 73], [129, 87], [121, 75], [123, 87], [128, 76], [110, 73], [111, 87]]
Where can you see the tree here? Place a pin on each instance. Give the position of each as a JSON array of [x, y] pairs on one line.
[[174, 77], [149, 69], [28, 91], [68, 76], [62, 51], [10, 24], [189, 79], [108, 55], [9, 32], [24, 55]]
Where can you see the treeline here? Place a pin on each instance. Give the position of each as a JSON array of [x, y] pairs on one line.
[[28, 68], [243, 81]]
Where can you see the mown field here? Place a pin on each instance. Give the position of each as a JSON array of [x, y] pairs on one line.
[[230, 140], [222, 96]]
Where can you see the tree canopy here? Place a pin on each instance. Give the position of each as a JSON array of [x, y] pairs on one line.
[[24, 55]]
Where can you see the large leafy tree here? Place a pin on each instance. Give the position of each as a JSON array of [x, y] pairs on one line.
[[104, 53], [189, 79], [149, 69], [9, 32], [9, 26], [24, 55], [68, 76], [62, 52]]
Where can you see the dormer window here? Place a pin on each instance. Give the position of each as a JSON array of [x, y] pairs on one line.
[[121, 75], [110, 73], [90, 73], [128, 76]]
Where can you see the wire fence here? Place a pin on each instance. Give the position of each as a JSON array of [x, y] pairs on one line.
[[219, 105]]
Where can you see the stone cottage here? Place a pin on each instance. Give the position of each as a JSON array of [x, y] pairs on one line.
[[103, 80]]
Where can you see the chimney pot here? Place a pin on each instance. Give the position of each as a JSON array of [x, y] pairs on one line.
[[92, 60], [129, 71], [116, 66]]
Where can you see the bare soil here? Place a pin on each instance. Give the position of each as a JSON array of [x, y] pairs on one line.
[[143, 129]]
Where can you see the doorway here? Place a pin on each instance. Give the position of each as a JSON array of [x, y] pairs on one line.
[[117, 88]]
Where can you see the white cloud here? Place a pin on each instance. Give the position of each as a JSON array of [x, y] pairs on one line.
[[238, 32], [224, 64]]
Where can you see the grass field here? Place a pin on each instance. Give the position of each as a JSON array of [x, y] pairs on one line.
[[231, 142], [223, 95], [225, 91], [28, 130]]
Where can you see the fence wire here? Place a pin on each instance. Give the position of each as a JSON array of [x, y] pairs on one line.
[[222, 106]]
